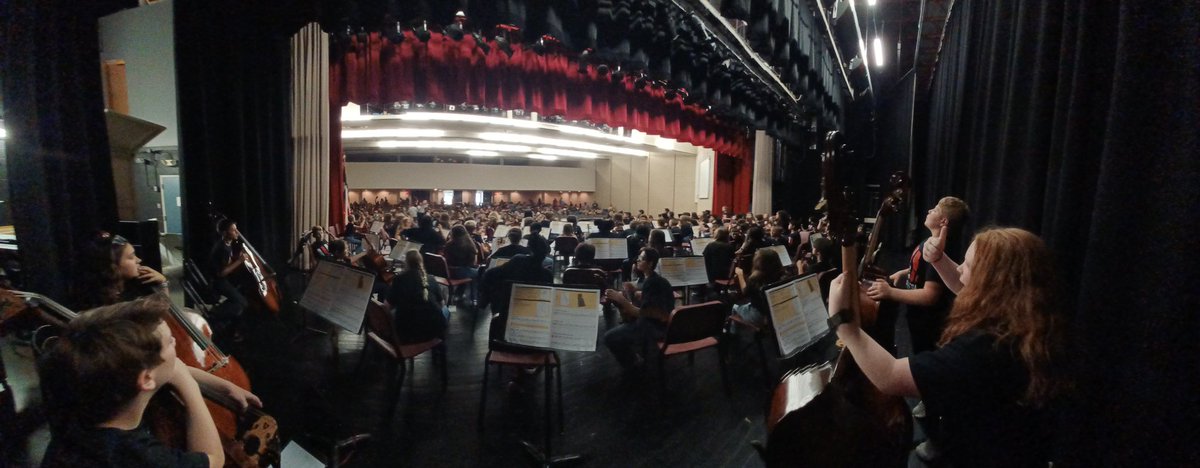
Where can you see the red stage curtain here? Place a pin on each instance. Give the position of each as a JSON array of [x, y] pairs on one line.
[[732, 185]]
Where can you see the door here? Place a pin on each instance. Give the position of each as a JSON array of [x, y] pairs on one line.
[[172, 204]]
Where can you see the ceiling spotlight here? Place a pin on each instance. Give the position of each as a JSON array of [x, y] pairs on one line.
[[878, 52]]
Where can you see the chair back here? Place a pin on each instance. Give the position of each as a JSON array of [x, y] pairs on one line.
[[564, 246], [436, 265], [380, 323], [696, 322], [588, 276]]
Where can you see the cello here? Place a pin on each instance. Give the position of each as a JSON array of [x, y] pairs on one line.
[[249, 439], [259, 272], [829, 414]]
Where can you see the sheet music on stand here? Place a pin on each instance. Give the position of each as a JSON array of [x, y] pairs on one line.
[[554, 317], [798, 313], [496, 262], [376, 227], [609, 248], [339, 293], [667, 232], [781, 250], [587, 227], [701, 243], [372, 240], [683, 271], [501, 231], [556, 227], [402, 247]]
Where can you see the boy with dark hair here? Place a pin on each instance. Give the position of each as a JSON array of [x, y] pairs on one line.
[[648, 305], [97, 380]]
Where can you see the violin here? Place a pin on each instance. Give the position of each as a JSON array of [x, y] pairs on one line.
[[829, 414], [250, 439]]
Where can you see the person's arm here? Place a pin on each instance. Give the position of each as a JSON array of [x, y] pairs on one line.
[[201, 431], [928, 295], [890, 375], [216, 384], [899, 275], [934, 253]]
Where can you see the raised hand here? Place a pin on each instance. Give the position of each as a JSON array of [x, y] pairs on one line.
[[935, 247]]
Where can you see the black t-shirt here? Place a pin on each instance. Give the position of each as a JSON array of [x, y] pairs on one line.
[[220, 255], [925, 322], [418, 316], [974, 384], [511, 250], [718, 257], [107, 447]]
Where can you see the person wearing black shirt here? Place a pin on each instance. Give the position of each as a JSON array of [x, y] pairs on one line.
[[999, 364], [430, 239], [718, 256], [496, 287], [97, 380], [924, 292], [648, 309], [514, 246], [419, 302], [224, 260]]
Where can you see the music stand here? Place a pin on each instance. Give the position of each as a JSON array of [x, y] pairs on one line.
[[544, 456], [338, 293]]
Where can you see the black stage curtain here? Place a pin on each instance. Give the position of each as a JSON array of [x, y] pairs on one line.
[[1077, 120], [232, 66], [60, 174]]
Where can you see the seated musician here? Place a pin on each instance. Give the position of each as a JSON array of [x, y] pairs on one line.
[[113, 273], [224, 260], [767, 269], [496, 287], [658, 241], [419, 302], [462, 256], [514, 246], [648, 310], [997, 367], [430, 239], [585, 257], [97, 380], [718, 256], [319, 246]]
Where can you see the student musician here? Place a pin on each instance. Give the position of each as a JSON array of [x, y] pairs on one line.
[[97, 379], [225, 259], [923, 291], [114, 273], [996, 368], [648, 304]]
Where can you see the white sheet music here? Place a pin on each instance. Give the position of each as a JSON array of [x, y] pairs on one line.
[[667, 232], [699, 244], [556, 227], [339, 293], [781, 250], [376, 226], [609, 248], [683, 271], [553, 317], [497, 261], [402, 247], [798, 313], [587, 227]]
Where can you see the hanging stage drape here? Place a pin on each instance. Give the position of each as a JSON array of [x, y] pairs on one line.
[[732, 184], [310, 133], [59, 168], [1078, 120]]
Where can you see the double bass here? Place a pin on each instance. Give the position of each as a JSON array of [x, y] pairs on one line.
[[250, 439], [829, 414], [868, 271]]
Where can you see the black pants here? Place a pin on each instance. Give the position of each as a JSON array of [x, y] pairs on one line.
[[228, 312]]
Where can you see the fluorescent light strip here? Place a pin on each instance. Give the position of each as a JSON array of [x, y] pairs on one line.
[[452, 145], [565, 152], [490, 120], [878, 52], [542, 157], [535, 140], [482, 153], [392, 133], [3, 133]]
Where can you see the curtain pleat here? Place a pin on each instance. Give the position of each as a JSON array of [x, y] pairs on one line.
[[310, 135]]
